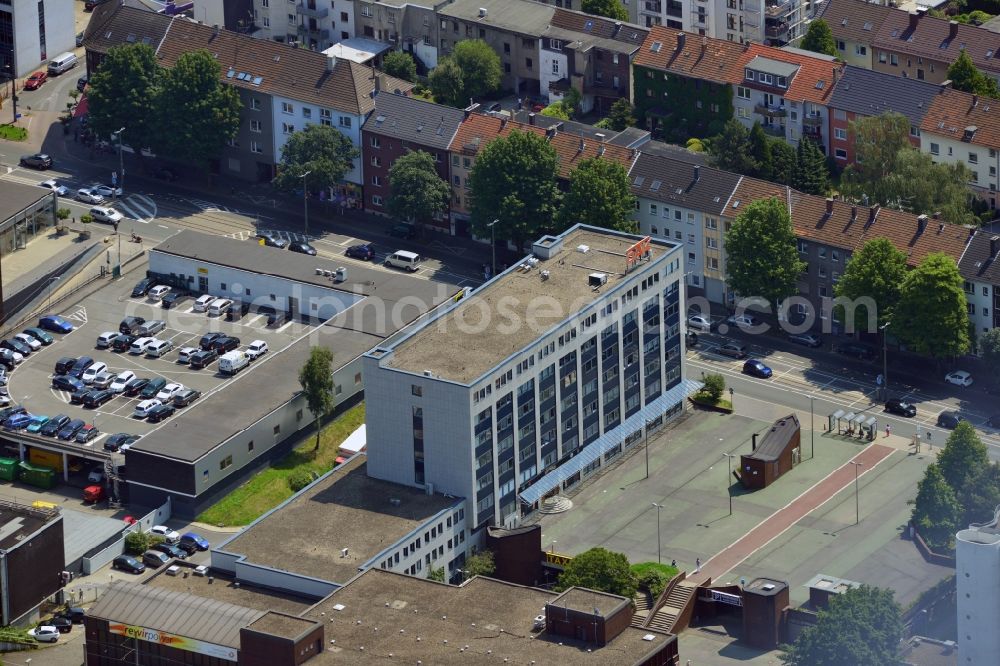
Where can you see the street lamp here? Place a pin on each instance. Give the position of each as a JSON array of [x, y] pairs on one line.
[[493, 246], [9, 73], [729, 476], [812, 429], [659, 560], [305, 202], [121, 167], [885, 361], [51, 281], [857, 500]]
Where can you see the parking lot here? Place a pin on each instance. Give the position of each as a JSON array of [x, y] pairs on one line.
[[30, 384]]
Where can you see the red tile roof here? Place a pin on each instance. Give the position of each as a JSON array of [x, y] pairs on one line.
[[938, 39], [813, 82], [952, 111], [697, 57]]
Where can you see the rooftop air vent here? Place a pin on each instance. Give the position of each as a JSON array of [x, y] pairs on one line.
[[596, 280], [583, 249]]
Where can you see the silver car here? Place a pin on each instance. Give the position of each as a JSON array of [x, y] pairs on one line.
[[152, 326], [88, 196], [106, 191]]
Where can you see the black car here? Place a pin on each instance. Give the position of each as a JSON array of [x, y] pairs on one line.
[[186, 397], [900, 407], [364, 252], [123, 342], [160, 412], [16, 345], [152, 388], [857, 350], [171, 551], [75, 614], [7, 359], [129, 564], [131, 325], [733, 350], [272, 240], [691, 339], [142, 288], [80, 366], [404, 231], [82, 82], [95, 399], [60, 622], [67, 383], [207, 339], [133, 388], [302, 248], [39, 335], [949, 420], [65, 364], [87, 433], [55, 424], [76, 398], [202, 359], [173, 298], [10, 411], [225, 344], [39, 161], [115, 441], [69, 430]]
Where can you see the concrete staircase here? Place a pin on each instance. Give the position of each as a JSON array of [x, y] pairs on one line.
[[673, 616], [643, 604]]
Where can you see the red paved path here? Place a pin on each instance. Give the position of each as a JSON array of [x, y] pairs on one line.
[[779, 521]]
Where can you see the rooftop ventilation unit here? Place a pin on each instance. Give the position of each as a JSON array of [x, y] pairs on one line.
[[583, 249], [596, 280]]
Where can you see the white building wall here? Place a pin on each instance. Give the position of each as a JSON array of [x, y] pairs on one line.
[[980, 302], [679, 225], [30, 53], [553, 66], [292, 115], [977, 576], [209, 12], [982, 161]]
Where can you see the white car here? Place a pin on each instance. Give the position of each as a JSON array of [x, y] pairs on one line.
[[91, 373], [86, 196], [167, 392], [143, 409], [106, 214], [158, 292], [169, 535], [44, 634], [123, 378], [26, 339], [106, 190], [744, 320], [201, 305], [959, 378], [60, 190], [184, 355], [256, 349], [139, 345], [700, 322]]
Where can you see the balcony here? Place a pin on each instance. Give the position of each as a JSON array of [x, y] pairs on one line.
[[778, 9], [812, 120], [311, 10], [814, 133], [774, 130], [319, 34], [776, 30], [770, 111]]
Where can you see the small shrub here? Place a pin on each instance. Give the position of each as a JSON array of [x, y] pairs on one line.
[[136, 543], [715, 385], [654, 581], [299, 479], [86, 218], [63, 213]]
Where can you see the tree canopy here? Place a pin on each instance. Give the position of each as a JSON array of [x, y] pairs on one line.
[[418, 192], [861, 626], [875, 271], [966, 76], [316, 379], [123, 93], [964, 457], [931, 315], [480, 564], [810, 175], [447, 85], [621, 115], [763, 260], [989, 344], [322, 151], [730, 150], [599, 569], [514, 181], [600, 194], [401, 65], [480, 65], [936, 509], [759, 145], [612, 9], [819, 39]]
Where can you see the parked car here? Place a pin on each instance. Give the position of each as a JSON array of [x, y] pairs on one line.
[[39, 161], [191, 541], [78, 396], [184, 354], [302, 248], [140, 345], [207, 339], [152, 326], [96, 474], [129, 564], [40, 335], [134, 386], [17, 421], [949, 420], [167, 392], [54, 425], [219, 307], [68, 431], [81, 366], [94, 369], [202, 359], [74, 613], [143, 409], [404, 231], [202, 302], [807, 339], [158, 292], [959, 378], [87, 196], [81, 83], [45, 633], [142, 287], [857, 350], [408, 261], [87, 433], [152, 387], [60, 622], [154, 558], [733, 350], [173, 298], [36, 80], [64, 365], [105, 339], [9, 359], [271, 239], [742, 320], [28, 340], [67, 383], [900, 407], [700, 322], [16, 346], [756, 368], [160, 412], [364, 252], [106, 190], [37, 422], [158, 348], [225, 344], [122, 343], [95, 399], [131, 325], [169, 535], [256, 349], [170, 550], [186, 397], [114, 442], [106, 214], [121, 381], [103, 380]]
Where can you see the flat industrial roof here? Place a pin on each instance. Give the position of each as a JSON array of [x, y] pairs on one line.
[[224, 587], [349, 510], [511, 311], [280, 624], [589, 601], [18, 521], [82, 532], [482, 621], [15, 197]]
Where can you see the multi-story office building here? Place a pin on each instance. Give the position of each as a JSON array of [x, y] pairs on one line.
[[549, 371], [33, 32], [775, 22], [977, 577]]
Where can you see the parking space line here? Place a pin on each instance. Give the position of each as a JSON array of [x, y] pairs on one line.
[[285, 326], [254, 320]]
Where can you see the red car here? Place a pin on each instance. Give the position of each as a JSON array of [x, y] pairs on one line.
[[36, 80]]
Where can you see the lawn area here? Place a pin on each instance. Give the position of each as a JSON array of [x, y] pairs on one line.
[[13, 133], [665, 569], [269, 488]]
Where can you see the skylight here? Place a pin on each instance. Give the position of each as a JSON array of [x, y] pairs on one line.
[[639, 180], [655, 48]]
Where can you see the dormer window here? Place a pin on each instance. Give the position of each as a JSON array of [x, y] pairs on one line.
[[782, 82], [749, 75], [765, 78], [555, 44]]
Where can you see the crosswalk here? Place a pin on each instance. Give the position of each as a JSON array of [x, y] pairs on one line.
[[209, 207], [138, 207], [290, 236]]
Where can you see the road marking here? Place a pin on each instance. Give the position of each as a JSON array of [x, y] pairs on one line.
[[289, 323]]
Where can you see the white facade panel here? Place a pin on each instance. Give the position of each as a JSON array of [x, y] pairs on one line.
[[977, 576], [292, 115]]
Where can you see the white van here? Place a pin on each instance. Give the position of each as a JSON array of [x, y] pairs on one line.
[[62, 63], [158, 348], [404, 259], [232, 362], [219, 307], [201, 305], [104, 339]]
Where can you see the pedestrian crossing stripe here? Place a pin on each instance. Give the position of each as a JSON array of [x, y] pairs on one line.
[[138, 207]]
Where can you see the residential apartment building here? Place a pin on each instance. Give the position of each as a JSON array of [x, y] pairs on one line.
[[854, 24], [965, 128], [412, 27], [235, 15], [531, 407], [399, 125], [684, 203], [313, 24], [980, 269], [747, 191], [863, 93], [977, 577], [775, 22], [589, 53], [33, 32]]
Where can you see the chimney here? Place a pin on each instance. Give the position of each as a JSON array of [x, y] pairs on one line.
[[975, 101], [873, 213], [829, 206], [921, 223], [582, 146], [331, 63], [972, 232], [531, 119], [944, 85], [600, 150], [914, 17], [704, 44], [994, 246], [753, 443], [469, 110], [378, 83], [600, 137], [681, 37], [952, 29], [697, 173], [836, 73], [550, 132], [503, 122], [854, 213], [618, 27], [215, 30], [937, 215]]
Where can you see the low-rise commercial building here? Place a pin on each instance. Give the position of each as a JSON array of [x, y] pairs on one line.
[[25, 212], [31, 560]]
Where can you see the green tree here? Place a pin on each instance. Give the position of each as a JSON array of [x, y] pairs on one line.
[[760, 152], [966, 77], [878, 141], [931, 316], [514, 181], [861, 626], [418, 193], [875, 271], [763, 259], [316, 379], [299, 479], [322, 151], [599, 569], [621, 115], [197, 115], [447, 84], [819, 39], [612, 9], [123, 93], [924, 185], [936, 509], [137, 542], [556, 110], [730, 150], [401, 65], [811, 175], [981, 495], [695, 145], [782, 162], [600, 194], [714, 386], [989, 344], [963, 457], [480, 65], [436, 574], [480, 564]]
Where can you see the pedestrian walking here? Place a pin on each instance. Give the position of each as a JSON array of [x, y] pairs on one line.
[[697, 565], [888, 429], [673, 563]]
